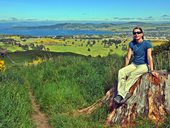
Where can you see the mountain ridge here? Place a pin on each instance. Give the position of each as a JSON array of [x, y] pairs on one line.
[[73, 26]]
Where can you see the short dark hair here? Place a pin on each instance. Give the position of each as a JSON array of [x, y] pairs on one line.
[[140, 30]]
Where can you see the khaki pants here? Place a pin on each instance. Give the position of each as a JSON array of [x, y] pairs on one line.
[[128, 75]]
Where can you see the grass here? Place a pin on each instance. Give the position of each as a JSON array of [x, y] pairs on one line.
[[10, 48], [15, 102], [162, 61], [68, 83]]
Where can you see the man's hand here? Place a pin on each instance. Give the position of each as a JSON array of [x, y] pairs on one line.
[[154, 74]]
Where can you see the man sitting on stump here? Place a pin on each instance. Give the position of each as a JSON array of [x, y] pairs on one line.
[[142, 63]]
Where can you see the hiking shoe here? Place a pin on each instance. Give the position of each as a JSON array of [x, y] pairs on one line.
[[128, 95], [118, 99]]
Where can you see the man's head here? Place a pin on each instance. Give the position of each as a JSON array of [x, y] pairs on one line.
[[138, 33]]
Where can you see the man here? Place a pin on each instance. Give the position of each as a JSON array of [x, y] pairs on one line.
[[142, 62]]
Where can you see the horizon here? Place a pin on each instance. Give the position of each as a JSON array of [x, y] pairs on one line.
[[84, 11], [78, 21]]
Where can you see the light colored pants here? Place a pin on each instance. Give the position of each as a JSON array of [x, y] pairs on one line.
[[128, 75]]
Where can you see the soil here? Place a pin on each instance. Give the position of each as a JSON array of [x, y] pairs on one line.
[[39, 118]]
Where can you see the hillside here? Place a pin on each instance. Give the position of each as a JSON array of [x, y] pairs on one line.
[[95, 26], [60, 83]]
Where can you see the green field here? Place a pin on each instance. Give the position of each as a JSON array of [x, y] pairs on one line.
[[86, 45]]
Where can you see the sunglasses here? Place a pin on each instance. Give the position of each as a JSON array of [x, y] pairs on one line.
[[134, 33]]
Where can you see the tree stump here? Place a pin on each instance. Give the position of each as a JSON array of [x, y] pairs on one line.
[[150, 99]]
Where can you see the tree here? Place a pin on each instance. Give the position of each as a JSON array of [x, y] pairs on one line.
[[88, 49], [150, 99], [25, 47]]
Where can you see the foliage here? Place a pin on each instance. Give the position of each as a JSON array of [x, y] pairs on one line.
[[162, 56], [162, 47], [47, 40]]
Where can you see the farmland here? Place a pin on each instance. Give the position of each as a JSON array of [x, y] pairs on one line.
[[95, 45]]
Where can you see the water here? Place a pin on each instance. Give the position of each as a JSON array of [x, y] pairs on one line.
[[49, 32]]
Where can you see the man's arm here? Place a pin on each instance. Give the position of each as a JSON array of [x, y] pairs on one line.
[[150, 59], [128, 57]]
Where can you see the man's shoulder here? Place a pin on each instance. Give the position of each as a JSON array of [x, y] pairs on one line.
[[147, 43], [132, 42]]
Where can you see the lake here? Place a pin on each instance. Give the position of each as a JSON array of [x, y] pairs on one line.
[[50, 32]]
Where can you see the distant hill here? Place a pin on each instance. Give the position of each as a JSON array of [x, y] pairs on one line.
[[69, 26], [116, 27], [139, 23], [83, 26]]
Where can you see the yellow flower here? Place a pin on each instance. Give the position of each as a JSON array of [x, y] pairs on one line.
[[35, 61], [2, 65]]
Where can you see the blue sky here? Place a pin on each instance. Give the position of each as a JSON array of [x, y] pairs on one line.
[[85, 10]]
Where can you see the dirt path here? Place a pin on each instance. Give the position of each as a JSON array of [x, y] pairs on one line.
[[40, 119]]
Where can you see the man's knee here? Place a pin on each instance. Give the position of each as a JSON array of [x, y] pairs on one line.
[[121, 71]]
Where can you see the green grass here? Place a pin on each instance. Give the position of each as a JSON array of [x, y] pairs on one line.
[[66, 84], [162, 61], [10, 48], [15, 105], [94, 51]]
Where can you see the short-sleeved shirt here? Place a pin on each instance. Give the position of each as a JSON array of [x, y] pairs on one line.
[[140, 51]]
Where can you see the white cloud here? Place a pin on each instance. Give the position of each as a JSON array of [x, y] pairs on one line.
[[149, 18]]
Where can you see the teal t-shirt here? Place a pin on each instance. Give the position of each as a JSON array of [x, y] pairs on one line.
[[140, 51]]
